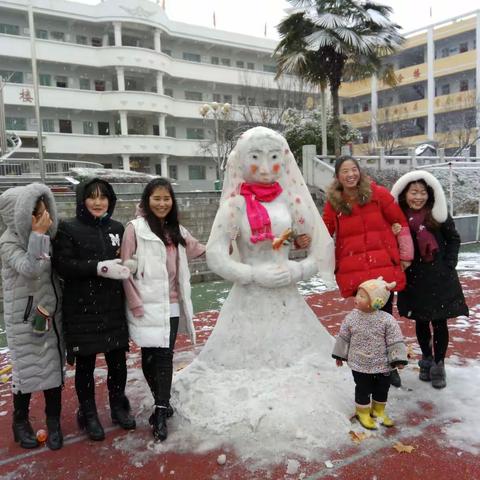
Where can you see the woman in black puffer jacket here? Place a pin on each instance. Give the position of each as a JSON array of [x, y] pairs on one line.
[[86, 256]]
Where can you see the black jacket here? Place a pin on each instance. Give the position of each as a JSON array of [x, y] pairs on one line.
[[433, 290], [93, 307]]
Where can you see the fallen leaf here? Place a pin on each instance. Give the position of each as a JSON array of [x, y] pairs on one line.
[[357, 437], [401, 448], [410, 353]]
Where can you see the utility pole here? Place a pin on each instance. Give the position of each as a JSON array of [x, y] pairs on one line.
[[3, 128], [31, 27]]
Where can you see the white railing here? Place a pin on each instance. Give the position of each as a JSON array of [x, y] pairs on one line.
[[31, 167]]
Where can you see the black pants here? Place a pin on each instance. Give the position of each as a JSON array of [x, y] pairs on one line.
[[116, 380], [440, 338], [375, 385], [53, 403], [157, 366]]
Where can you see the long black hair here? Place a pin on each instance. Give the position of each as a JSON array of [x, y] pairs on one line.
[[167, 231], [430, 222]]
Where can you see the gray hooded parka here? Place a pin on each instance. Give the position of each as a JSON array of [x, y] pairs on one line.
[[28, 281]]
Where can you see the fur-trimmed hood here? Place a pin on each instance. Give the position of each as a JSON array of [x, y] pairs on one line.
[[17, 205], [439, 210], [339, 204]]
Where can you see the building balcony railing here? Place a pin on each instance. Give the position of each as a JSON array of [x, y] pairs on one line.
[[61, 143], [130, 57]]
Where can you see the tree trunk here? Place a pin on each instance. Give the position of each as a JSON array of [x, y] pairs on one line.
[[324, 121], [334, 87]]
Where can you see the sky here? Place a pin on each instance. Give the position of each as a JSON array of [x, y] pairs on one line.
[[236, 15]]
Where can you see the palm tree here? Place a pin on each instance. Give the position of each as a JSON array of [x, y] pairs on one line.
[[326, 41]]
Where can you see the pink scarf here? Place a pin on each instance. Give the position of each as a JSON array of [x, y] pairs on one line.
[[257, 214], [427, 243]]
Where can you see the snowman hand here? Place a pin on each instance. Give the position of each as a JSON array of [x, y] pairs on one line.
[[270, 276]]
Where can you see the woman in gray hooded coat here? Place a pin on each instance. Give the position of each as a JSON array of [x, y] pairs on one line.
[[31, 297]]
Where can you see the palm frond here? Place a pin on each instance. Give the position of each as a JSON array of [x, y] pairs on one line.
[[327, 20], [349, 36]]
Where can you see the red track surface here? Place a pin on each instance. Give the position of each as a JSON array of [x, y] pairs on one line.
[[371, 459]]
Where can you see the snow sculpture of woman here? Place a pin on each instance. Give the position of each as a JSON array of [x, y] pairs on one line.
[[268, 351]]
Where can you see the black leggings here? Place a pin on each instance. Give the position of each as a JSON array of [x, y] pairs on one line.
[[157, 366], [53, 403], [440, 338], [116, 380], [374, 384]]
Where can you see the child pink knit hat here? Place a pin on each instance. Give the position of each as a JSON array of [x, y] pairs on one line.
[[378, 291]]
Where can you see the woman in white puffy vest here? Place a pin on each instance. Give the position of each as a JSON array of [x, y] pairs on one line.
[[158, 292], [31, 298]]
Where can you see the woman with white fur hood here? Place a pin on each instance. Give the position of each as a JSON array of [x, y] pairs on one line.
[[433, 293]]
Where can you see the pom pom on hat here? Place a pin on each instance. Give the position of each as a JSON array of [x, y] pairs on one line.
[[378, 291]]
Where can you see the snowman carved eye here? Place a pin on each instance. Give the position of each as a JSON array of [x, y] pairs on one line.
[[255, 157], [274, 156]]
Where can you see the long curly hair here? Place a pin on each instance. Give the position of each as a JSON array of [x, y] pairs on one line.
[[168, 231]]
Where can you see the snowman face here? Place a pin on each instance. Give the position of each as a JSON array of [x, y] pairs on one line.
[[262, 160]]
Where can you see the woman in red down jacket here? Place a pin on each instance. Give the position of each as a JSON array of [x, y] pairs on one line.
[[360, 214]]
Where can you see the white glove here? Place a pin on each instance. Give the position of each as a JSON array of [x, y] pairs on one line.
[[131, 264], [271, 276], [113, 269]]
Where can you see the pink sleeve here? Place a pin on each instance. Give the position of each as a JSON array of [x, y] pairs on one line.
[[128, 249], [405, 244], [194, 248]]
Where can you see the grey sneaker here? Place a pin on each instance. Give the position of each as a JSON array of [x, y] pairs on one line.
[[425, 364], [438, 375]]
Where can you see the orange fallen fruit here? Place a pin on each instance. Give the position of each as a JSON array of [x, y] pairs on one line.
[[41, 435]]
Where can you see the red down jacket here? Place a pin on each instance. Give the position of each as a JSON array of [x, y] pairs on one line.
[[365, 246]]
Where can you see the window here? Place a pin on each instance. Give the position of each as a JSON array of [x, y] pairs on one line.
[[356, 108], [131, 84], [242, 100], [250, 66], [197, 96], [88, 128], [15, 123], [270, 68], [43, 34], [240, 64], [59, 36], [167, 52], [11, 77], [463, 47], [173, 172], [156, 130], [168, 92], [227, 99], [48, 125], [226, 62], [215, 61], [103, 128], [84, 84], [191, 57], [271, 103], [216, 97], [45, 79], [445, 89], [99, 85], [197, 172], [463, 85], [365, 107], [82, 39], [251, 101], [97, 42], [65, 126], [171, 132], [9, 29], [195, 134], [61, 82], [445, 52]]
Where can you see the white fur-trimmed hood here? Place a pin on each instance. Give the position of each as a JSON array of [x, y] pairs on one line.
[[439, 210]]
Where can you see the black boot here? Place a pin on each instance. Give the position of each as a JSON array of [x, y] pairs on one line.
[[87, 419], [55, 435], [425, 364], [23, 432], [395, 379], [169, 410], [120, 413], [158, 421]]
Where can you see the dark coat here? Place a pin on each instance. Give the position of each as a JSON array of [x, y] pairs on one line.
[[365, 246], [433, 291], [93, 307]]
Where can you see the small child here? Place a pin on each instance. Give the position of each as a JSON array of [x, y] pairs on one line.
[[371, 342]]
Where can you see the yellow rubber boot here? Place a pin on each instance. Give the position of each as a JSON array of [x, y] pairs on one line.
[[378, 411], [363, 415]]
